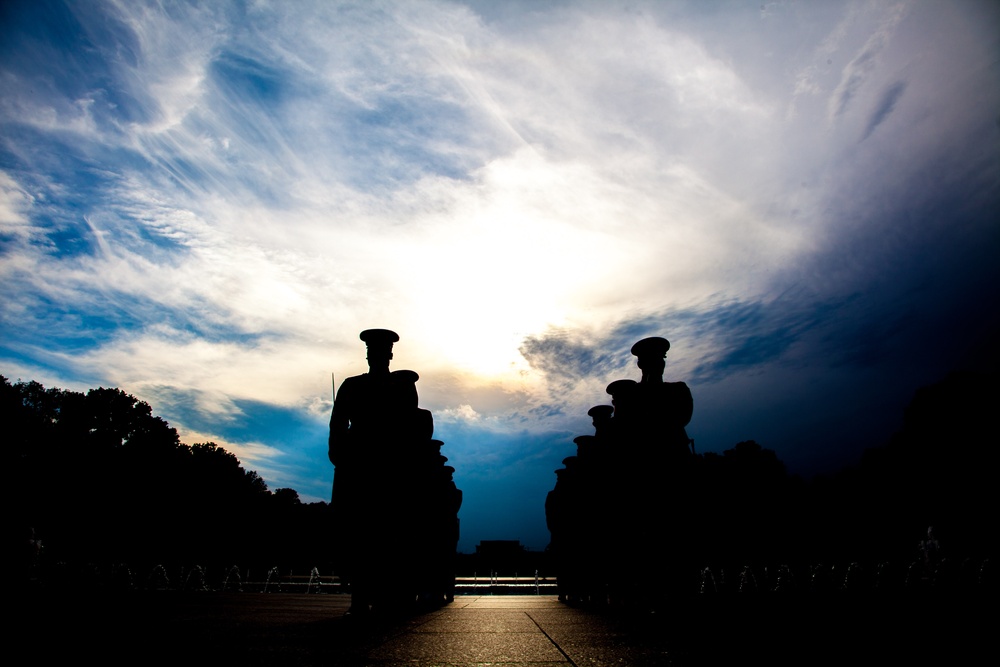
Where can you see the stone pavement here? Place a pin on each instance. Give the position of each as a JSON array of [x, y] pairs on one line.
[[246, 629], [511, 630]]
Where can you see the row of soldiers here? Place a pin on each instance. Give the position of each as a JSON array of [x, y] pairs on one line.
[[617, 515], [395, 502]]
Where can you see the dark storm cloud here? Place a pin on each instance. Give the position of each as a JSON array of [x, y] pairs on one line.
[[748, 334], [563, 355], [743, 334]]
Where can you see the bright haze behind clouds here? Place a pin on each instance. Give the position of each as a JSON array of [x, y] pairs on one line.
[[204, 204]]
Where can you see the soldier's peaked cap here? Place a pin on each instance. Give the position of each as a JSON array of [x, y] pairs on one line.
[[600, 411], [379, 337], [651, 347]]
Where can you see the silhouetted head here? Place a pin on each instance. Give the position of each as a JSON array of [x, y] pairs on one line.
[[651, 353], [601, 417], [619, 388], [379, 342], [600, 413]]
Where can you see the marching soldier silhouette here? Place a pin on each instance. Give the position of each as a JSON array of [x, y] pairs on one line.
[[627, 488], [389, 482]]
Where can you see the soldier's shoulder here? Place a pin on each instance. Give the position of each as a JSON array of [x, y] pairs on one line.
[[405, 377], [351, 383], [677, 388]]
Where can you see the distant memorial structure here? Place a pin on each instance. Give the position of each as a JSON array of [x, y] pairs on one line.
[[395, 504], [619, 514]]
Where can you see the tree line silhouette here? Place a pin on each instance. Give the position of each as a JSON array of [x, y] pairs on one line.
[[96, 478]]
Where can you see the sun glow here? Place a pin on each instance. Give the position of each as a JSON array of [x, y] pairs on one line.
[[504, 263]]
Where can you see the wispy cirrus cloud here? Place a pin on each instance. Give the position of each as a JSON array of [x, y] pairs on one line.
[[865, 63], [887, 102]]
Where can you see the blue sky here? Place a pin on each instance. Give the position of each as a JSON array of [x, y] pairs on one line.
[[204, 204]]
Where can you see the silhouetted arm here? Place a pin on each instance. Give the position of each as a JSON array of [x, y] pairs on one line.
[[340, 421], [683, 403]]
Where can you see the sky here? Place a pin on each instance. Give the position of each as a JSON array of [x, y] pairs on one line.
[[204, 204]]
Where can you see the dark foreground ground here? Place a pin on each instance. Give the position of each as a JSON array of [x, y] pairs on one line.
[[196, 628]]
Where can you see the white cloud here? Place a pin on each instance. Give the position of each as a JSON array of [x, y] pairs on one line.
[[277, 371], [463, 412], [252, 455], [15, 205]]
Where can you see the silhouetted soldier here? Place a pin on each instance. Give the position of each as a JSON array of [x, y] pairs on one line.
[[601, 419], [372, 416], [394, 503], [634, 477], [659, 410], [377, 407]]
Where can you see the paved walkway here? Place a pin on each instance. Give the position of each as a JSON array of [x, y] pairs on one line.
[[512, 630], [249, 629]]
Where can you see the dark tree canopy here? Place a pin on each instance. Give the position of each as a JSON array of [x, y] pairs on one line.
[[97, 477]]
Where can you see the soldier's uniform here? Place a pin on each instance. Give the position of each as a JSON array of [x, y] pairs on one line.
[[386, 480]]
